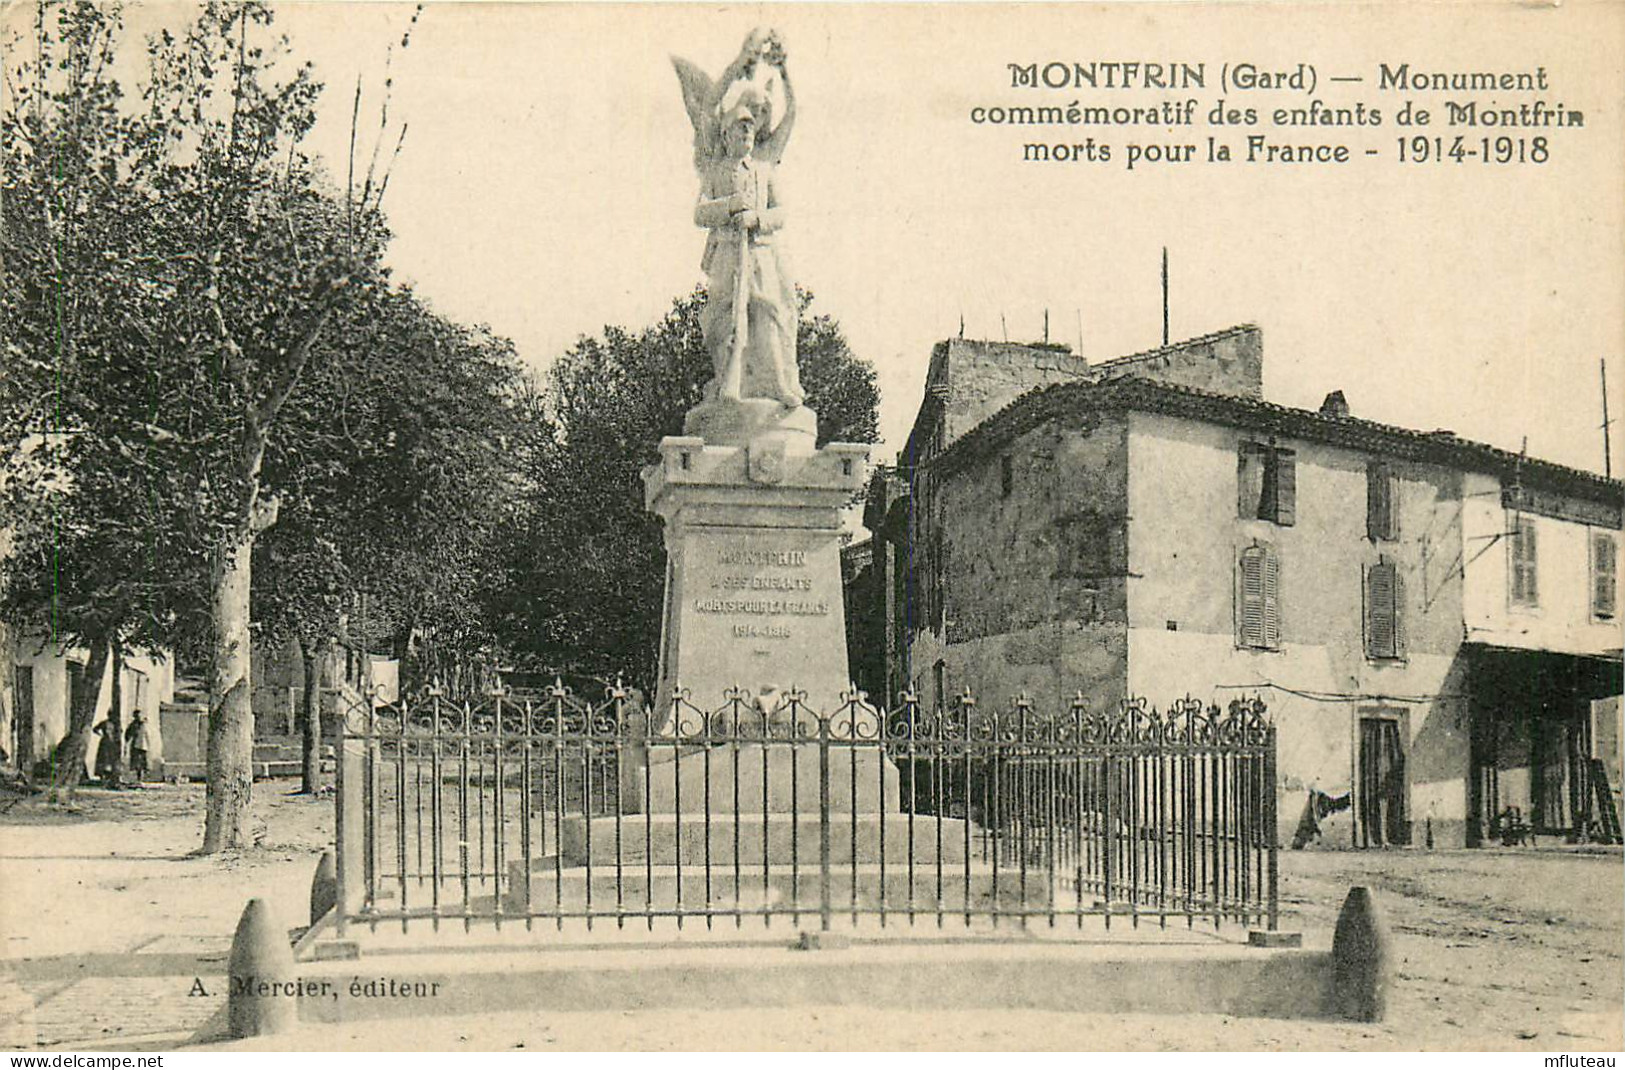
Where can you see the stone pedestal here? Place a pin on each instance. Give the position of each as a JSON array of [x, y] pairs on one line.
[[753, 574]]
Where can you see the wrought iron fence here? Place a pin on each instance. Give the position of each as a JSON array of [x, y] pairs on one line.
[[551, 808]]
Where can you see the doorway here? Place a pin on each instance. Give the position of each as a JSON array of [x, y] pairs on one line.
[[22, 723], [1382, 784]]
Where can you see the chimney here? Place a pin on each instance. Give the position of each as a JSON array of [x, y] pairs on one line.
[[1335, 404]]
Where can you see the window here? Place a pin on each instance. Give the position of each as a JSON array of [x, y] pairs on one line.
[[1267, 483], [1258, 610], [1381, 514], [1604, 575], [1007, 476], [1384, 601], [1521, 550], [937, 592]]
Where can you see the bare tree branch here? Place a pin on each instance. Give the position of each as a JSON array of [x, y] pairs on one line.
[[236, 363], [378, 203], [293, 364]]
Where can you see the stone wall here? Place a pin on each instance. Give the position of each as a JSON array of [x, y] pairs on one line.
[[1034, 570], [1225, 362], [980, 378]]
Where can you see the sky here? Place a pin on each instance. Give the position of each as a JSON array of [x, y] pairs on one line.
[[546, 188]]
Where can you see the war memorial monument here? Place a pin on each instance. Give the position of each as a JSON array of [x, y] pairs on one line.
[[751, 503]]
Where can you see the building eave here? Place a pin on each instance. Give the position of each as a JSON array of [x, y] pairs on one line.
[[1263, 417]]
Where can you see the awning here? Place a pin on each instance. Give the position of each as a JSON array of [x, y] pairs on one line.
[[1584, 676]]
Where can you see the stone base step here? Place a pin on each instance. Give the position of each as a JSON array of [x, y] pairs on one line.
[[779, 838], [287, 749], [1129, 977], [778, 888], [262, 770], [776, 777]]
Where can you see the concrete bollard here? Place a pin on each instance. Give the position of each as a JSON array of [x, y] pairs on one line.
[[262, 976], [1362, 959], [324, 887]]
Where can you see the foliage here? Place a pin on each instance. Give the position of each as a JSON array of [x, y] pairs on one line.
[[166, 273], [102, 550], [174, 272], [395, 465]]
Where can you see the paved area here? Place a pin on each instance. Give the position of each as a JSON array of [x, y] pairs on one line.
[[117, 920]]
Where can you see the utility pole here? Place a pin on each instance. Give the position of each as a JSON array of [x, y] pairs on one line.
[[1165, 297], [1607, 446], [1046, 326]]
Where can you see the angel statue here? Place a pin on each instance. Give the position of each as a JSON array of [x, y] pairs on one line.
[[750, 315]]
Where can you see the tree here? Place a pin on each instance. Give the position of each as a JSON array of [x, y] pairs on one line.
[[84, 474], [263, 261], [182, 267], [584, 565], [261, 258], [394, 469]]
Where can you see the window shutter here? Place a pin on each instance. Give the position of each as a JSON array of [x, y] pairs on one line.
[[1526, 587], [1379, 502], [1286, 488], [1529, 561], [1272, 599], [1373, 506], [1249, 481], [1382, 616], [1399, 614], [1604, 575], [1251, 597], [1515, 560], [1241, 482]]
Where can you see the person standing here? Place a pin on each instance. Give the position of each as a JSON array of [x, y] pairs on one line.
[[107, 745], [137, 737]]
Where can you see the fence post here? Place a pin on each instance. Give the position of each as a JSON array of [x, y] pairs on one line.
[[341, 822], [349, 812], [1108, 824], [823, 825], [632, 755], [372, 841], [1271, 829]]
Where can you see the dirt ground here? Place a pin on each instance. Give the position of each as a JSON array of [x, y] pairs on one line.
[[109, 921]]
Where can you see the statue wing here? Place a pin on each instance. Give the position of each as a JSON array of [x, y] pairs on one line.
[[699, 100]]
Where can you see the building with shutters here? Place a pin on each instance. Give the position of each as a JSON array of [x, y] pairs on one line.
[[1432, 621]]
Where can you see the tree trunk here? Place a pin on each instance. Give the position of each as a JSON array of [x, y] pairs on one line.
[[8, 715], [70, 753], [115, 713], [231, 713], [310, 716]]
